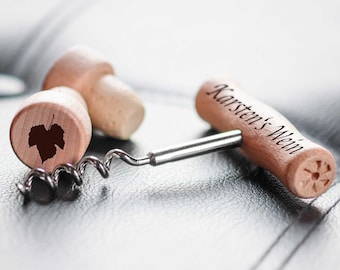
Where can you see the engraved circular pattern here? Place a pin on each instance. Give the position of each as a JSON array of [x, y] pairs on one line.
[[315, 177]]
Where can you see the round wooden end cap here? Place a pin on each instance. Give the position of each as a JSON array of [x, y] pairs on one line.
[[52, 127], [311, 173]]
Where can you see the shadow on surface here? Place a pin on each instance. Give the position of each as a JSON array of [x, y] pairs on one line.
[[101, 144], [240, 174]]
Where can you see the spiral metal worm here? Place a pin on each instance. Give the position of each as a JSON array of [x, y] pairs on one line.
[[25, 188], [76, 171]]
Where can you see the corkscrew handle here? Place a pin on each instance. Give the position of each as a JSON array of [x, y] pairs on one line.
[[269, 139]]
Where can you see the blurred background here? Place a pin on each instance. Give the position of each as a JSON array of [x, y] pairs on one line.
[[275, 49]]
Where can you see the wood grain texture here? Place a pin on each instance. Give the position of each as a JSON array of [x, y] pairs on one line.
[[113, 106], [117, 111], [50, 128], [269, 139]]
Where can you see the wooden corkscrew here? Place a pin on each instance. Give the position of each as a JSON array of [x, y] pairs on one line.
[[262, 134], [305, 168]]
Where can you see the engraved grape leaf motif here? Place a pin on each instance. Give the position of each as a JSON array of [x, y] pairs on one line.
[[45, 140]]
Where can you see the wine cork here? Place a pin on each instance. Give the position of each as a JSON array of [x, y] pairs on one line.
[[50, 128], [268, 138], [113, 106]]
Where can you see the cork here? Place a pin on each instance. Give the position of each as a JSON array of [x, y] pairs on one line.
[[268, 139], [50, 128], [113, 106]]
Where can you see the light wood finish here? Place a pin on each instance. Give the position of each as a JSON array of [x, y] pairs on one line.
[[114, 107], [50, 128], [269, 139], [118, 110]]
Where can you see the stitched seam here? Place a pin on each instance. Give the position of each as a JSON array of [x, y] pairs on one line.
[[280, 236], [299, 245]]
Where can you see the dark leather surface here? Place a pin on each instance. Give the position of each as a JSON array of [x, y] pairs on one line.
[[216, 211]]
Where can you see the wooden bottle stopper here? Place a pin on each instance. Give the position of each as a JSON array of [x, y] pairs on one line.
[[113, 106], [50, 128], [269, 139]]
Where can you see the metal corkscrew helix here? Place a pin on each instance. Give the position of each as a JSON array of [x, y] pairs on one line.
[[193, 148]]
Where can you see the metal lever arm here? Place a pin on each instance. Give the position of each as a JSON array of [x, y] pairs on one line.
[[221, 141], [193, 148]]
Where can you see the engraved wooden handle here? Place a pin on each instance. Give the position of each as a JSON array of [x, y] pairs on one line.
[[269, 139]]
